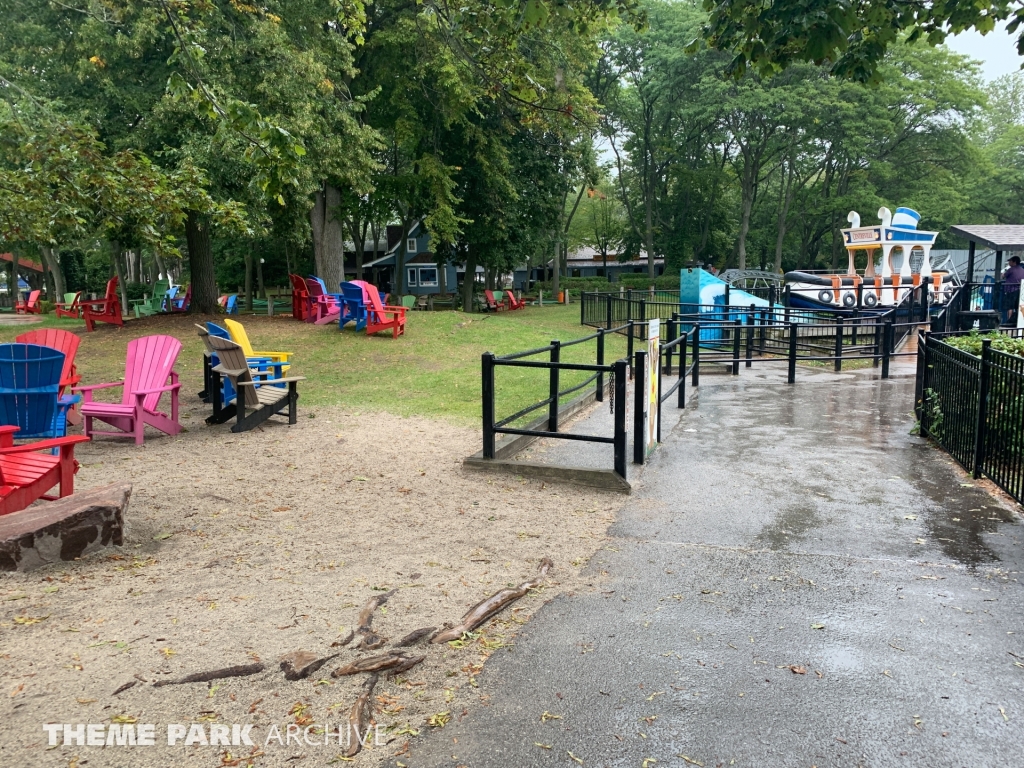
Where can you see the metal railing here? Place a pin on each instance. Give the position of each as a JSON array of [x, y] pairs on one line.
[[973, 407], [554, 366]]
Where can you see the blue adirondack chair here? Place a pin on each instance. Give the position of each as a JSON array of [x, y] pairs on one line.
[[169, 298], [353, 305], [231, 306], [29, 391]]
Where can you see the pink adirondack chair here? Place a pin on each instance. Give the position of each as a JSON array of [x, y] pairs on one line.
[[149, 365]]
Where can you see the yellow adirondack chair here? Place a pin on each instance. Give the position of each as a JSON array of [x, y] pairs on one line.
[[239, 336]]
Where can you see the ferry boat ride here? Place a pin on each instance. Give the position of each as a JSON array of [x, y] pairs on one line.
[[880, 286]]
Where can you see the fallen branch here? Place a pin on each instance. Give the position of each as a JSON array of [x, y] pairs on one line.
[[370, 664], [406, 665], [369, 639], [494, 604], [359, 717], [298, 665], [241, 670], [414, 637], [125, 687], [344, 641]]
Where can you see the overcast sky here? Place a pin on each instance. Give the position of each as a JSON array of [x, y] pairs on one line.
[[997, 51]]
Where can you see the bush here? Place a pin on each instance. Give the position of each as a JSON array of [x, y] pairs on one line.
[[46, 307], [636, 282], [971, 343]]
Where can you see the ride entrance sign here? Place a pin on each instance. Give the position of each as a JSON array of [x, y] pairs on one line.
[[653, 380]]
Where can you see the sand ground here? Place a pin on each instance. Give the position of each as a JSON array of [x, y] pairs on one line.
[[242, 548]]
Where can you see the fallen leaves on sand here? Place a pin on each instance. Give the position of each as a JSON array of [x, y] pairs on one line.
[[26, 621], [690, 760], [573, 757], [545, 716], [542, 746], [817, 626], [439, 719], [796, 669]]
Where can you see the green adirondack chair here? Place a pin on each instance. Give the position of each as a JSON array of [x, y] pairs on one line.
[[154, 304]]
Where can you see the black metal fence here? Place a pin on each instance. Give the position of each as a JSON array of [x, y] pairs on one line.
[[973, 406]]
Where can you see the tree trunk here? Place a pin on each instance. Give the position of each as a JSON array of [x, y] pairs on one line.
[[248, 280], [119, 271], [741, 241], [200, 261], [51, 257], [259, 279], [160, 266], [467, 284], [556, 269], [652, 271], [328, 239]]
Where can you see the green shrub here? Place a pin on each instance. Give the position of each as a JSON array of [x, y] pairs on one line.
[[971, 343], [636, 282], [46, 307]]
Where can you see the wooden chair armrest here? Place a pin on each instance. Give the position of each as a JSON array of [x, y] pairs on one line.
[[168, 388], [55, 442], [283, 355], [91, 387], [285, 380], [228, 371]]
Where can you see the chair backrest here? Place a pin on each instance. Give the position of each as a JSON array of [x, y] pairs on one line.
[[148, 365], [240, 337], [160, 288], [33, 298], [111, 288], [172, 291], [232, 304], [512, 300], [29, 367], [373, 302], [232, 357], [489, 295], [64, 342], [71, 299], [298, 283], [315, 286], [409, 301], [204, 336], [215, 330]]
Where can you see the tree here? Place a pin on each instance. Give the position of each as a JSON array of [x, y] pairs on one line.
[[851, 39]]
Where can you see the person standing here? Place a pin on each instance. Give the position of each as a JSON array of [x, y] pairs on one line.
[[1011, 288]]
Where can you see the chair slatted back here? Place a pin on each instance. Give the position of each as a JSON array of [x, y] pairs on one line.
[[148, 365], [63, 341], [232, 357], [29, 386], [240, 337]]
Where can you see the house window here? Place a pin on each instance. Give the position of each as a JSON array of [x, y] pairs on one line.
[[412, 277], [428, 276], [410, 245], [575, 273]]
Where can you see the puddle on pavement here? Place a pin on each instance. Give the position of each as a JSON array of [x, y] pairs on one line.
[[788, 525]]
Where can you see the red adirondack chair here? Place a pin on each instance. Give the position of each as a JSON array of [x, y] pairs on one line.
[[380, 317], [149, 364], [180, 303], [26, 475], [74, 309], [30, 307], [105, 310], [62, 341], [492, 304], [300, 298], [513, 302]]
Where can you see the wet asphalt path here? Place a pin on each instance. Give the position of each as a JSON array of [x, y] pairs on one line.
[[797, 582]]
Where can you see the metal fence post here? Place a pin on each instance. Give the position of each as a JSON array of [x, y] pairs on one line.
[[695, 377], [639, 391], [877, 351], [839, 344], [792, 353], [750, 336], [886, 347], [855, 320], [983, 387], [620, 417], [668, 352], [487, 387], [681, 401], [556, 350], [737, 327], [608, 310], [599, 395], [922, 362], [583, 304], [629, 347]]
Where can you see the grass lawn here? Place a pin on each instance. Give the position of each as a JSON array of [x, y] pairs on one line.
[[433, 370]]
